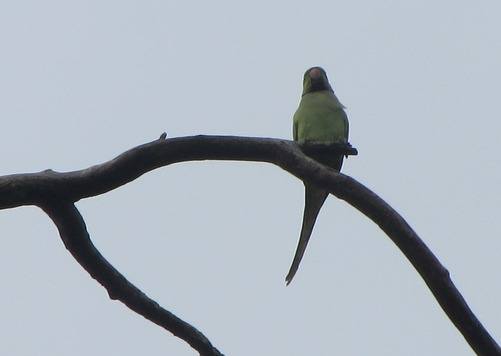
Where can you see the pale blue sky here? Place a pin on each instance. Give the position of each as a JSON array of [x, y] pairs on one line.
[[80, 82]]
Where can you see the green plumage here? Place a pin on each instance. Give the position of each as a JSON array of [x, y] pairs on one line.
[[320, 118]]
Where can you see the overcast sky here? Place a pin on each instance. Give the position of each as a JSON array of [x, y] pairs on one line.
[[82, 81]]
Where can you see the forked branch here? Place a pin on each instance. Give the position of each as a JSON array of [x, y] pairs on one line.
[[56, 192]]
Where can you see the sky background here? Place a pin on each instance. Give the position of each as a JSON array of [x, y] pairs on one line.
[[83, 81]]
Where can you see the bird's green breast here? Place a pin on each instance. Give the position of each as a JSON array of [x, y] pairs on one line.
[[320, 118]]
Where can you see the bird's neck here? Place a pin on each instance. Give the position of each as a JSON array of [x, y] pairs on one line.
[[314, 89], [326, 96]]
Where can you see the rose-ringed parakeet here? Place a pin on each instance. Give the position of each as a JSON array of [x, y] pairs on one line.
[[320, 118]]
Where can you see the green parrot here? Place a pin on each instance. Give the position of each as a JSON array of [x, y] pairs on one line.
[[320, 118]]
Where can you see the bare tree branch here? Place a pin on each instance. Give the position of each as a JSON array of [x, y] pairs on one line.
[[76, 239], [55, 192]]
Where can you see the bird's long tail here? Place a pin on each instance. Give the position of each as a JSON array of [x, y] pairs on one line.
[[314, 199]]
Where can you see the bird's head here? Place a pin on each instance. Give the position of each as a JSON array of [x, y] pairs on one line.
[[315, 79]]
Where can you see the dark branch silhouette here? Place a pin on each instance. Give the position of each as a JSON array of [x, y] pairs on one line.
[[56, 192], [76, 239]]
